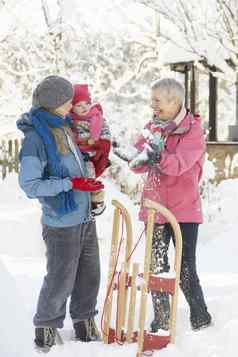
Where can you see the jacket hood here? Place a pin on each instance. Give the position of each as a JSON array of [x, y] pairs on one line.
[[24, 123]]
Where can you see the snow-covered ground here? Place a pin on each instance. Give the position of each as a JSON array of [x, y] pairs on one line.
[[22, 266]]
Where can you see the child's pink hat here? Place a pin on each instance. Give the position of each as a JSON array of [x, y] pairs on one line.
[[81, 93]]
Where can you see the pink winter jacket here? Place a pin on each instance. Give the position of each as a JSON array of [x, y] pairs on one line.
[[94, 118], [174, 182]]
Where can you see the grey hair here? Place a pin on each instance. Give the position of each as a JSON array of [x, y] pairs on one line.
[[172, 88]]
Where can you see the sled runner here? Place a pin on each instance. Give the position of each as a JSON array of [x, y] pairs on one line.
[[126, 286]]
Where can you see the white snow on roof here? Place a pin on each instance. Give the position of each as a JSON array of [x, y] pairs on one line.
[[171, 53]]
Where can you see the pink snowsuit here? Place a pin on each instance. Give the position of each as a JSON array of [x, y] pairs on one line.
[[174, 181]]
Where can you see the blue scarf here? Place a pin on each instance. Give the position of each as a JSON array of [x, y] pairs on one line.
[[41, 121]]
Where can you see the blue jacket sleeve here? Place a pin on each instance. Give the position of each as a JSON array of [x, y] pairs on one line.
[[33, 163]]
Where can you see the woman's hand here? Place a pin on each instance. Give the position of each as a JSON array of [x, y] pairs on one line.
[[86, 184]]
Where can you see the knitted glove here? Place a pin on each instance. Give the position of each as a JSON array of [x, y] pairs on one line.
[[86, 184], [153, 157], [153, 153], [154, 148]]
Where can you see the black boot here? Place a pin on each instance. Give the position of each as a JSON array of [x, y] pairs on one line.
[[190, 285], [86, 330], [98, 208], [161, 307], [45, 337], [160, 264], [199, 321]]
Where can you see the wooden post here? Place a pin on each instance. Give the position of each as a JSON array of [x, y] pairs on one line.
[[4, 160], [4, 169], [194, 90], [186, 86], [16, 154], [212, 108], [9, 156], [10, 149]]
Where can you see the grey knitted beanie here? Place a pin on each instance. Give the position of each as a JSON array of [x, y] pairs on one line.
[[52, 92]]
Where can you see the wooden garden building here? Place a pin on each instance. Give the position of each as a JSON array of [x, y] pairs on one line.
[[224, 153]]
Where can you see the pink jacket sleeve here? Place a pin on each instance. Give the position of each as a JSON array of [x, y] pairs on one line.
[[95, 119], [96, 123], [189, 150]]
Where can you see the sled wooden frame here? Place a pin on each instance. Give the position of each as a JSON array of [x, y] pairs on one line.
[[119, 211], [146, 341]]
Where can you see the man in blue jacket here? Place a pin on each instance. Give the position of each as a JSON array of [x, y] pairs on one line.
[[53, 171]]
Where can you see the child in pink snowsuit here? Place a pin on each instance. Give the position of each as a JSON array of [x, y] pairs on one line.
[[92, 136]]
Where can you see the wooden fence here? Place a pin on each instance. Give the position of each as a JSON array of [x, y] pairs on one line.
[[222, 154], [9, 151]]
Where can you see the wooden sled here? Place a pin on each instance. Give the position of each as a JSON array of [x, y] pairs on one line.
[[126, 285]]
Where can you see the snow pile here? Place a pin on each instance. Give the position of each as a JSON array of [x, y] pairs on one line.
[[19, 220], [15, 324]]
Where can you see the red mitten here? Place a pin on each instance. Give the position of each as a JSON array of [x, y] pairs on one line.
[[86, 184]]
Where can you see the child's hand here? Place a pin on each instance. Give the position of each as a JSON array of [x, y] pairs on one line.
[[91, 141]]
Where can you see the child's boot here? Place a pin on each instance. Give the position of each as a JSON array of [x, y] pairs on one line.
[[98, 204]]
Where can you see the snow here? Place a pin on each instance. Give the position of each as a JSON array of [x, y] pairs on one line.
[[22, 252], [172, 53], [22, 266], [167, 275]]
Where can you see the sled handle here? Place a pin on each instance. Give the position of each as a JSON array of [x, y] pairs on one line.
[[144, 285], [129, 239], [117, 204], [129, 244]]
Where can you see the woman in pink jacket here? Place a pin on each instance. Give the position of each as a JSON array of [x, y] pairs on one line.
[[174, 169]]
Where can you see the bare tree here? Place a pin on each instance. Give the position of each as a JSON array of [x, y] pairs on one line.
[[55, 30], [205, 28]]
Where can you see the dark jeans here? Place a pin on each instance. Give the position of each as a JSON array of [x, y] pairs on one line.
[[189, 281], [73, 269]]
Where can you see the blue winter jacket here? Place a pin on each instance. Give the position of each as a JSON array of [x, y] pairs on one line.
[[37, 182]]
